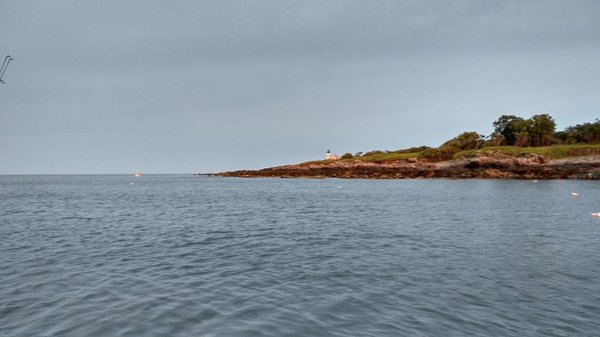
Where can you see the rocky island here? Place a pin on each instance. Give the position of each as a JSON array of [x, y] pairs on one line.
[[517, 149], [482, 165]]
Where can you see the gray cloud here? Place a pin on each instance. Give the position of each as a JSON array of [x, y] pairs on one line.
[[186, 86]]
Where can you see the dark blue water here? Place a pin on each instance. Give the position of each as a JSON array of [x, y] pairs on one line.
[[201, 256]]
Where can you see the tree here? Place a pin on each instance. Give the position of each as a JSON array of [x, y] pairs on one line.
[[496, 139], [505, 126], [535, 131], [541, 130], [522, 139]]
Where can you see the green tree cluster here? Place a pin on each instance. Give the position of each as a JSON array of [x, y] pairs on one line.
[[586, 133], [539, 130], [509, 130]]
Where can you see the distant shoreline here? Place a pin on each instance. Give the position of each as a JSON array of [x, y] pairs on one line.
[[488, 165]]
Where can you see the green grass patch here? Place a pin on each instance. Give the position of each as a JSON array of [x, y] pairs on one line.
[[555, 152]]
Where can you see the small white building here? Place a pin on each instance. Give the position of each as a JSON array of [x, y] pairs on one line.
[[331, 156]]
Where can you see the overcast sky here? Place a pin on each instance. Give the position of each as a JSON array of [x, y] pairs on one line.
[[205, 86]]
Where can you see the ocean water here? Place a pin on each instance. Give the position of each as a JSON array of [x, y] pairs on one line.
[[204, 256]]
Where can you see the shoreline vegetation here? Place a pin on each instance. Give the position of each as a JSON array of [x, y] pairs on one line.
[[517, 149]]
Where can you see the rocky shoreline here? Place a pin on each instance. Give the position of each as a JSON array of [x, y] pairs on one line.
[[483, 165]]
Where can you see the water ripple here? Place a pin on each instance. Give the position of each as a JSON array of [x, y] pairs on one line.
[[181, 256]]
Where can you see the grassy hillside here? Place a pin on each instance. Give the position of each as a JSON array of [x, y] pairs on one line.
[[554, 152]]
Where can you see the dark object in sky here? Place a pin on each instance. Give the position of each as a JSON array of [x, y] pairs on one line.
[[7, 60]]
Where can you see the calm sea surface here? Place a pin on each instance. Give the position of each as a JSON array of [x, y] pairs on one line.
[[201, 256]]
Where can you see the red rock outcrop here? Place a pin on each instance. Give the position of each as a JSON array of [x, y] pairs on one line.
[[483, 165]]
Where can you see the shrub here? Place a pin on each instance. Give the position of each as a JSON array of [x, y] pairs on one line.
[[415, 149], [373, 152], [439, 154], [466, 141]]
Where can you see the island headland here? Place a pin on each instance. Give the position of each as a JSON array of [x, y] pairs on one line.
[[517, 149]]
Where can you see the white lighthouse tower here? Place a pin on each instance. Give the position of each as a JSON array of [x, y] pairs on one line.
[[331, 156]]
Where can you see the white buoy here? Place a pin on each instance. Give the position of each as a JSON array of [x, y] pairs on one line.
[[574, 194]]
